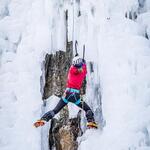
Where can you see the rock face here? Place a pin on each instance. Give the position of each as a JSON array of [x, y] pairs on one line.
[[64, 136], [56, 68], [63, 132]]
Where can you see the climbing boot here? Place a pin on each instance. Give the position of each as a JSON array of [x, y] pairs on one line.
[[39, 123], [92, 125]]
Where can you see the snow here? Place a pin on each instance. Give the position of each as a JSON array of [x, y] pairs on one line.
[[144, 20], [116, 45], [20, 72]]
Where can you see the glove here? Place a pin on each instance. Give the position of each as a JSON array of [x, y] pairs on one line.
[[83, 60], [76, 54], [39, 123]]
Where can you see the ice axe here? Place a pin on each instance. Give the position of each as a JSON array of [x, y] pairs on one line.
[[83, 51], [76, 43]]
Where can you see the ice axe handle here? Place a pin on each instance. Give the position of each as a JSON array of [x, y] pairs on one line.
[[83, 51], [76, 43]]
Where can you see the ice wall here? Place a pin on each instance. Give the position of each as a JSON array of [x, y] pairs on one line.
[[117, 45], [123, 52], [24, 36]]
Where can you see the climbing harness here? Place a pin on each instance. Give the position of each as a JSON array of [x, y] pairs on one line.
[[73, 92]]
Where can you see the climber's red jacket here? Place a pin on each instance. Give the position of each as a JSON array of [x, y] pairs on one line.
[[76, 77]]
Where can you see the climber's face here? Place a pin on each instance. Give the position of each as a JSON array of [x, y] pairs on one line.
[[80, 69], [77, 62]]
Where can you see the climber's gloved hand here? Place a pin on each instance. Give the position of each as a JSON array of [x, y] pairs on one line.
[[39, 123], [76, 54], [84, 61]]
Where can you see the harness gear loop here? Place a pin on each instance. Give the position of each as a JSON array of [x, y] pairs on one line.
[[73, 91], [77, 101], [66, 100]]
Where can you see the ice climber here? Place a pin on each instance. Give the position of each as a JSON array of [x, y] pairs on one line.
[[76, 75]]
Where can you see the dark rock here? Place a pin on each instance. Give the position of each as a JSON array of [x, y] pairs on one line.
[[64, 136]]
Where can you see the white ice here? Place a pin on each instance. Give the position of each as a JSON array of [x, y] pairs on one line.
[[118, 47]]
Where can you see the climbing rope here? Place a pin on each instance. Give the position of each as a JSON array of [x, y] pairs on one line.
[[73, 28]]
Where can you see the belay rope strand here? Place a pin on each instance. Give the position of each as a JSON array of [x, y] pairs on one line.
[[73, 24], [82, 95], [82, 101]]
